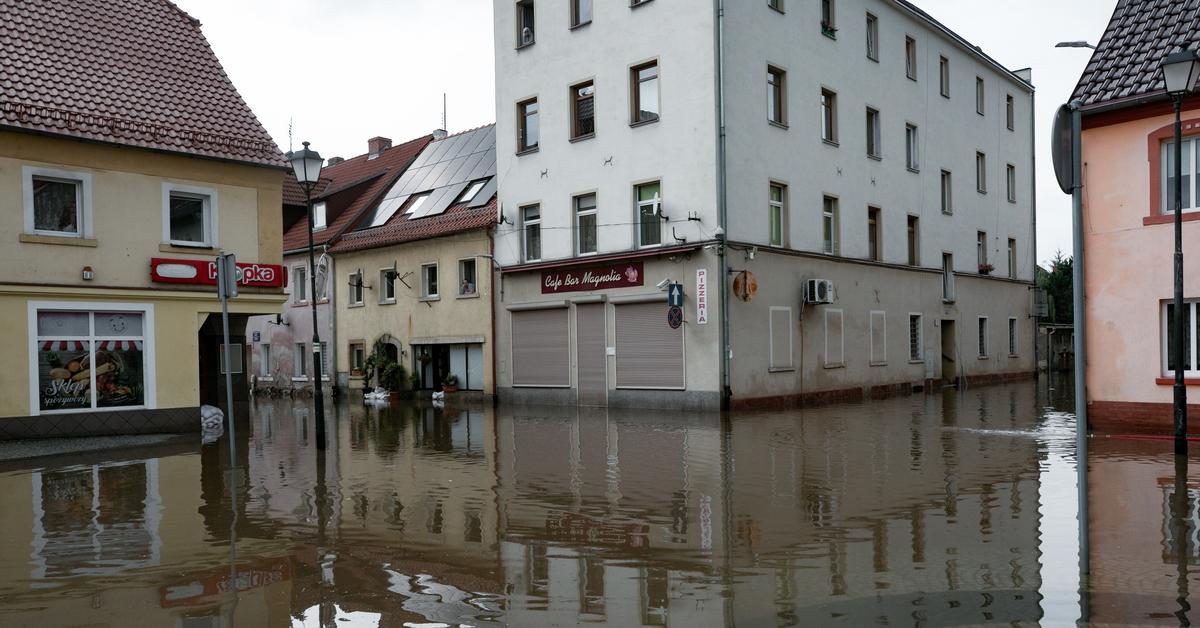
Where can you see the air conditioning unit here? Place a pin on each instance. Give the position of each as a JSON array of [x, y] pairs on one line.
[[818, 291]]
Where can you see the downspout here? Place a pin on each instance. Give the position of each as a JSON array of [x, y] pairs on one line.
[[491, 240], [1033, 212], [722, 207], [330, 282]]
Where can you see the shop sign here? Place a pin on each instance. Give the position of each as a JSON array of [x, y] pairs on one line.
[[203, 591], [204, 273], [570, 527], [702, 296], [624, 275]]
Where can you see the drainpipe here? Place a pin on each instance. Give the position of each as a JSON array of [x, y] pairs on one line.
[[1033, 211], [491, 240], [722, 206], [1081, 422]]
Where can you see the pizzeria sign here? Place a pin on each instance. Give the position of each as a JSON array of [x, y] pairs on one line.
[[623, 275], [204, 273]]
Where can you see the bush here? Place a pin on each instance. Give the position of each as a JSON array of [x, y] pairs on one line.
[[393, 376]]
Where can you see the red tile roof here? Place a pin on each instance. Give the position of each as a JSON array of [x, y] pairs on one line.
[[380, 172], [457, 219], [131, 72], [1125, 64], [293, 194]]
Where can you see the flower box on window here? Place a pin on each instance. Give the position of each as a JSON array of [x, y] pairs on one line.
[[986, 269]]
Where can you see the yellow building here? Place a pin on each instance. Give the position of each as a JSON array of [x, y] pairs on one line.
[[416, 273], [117, 191]]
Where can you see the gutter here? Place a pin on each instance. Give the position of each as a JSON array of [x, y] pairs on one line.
[[722, 207]]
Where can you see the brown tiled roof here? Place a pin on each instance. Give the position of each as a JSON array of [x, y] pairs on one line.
[[457, 219], [380, 172], [131, 72], [1125, 64], [293, 194]]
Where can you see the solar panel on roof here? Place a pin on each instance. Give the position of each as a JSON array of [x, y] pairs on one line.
[[385, 210], [485, 195], [443, 198]]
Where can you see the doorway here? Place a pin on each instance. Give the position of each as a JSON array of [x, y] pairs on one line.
[[949, 355], [590, 347]]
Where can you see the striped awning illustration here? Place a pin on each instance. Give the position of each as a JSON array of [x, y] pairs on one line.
[[120, 345], [63, 345]]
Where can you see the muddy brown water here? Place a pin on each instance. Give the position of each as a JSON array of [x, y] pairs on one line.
[[951, 508]]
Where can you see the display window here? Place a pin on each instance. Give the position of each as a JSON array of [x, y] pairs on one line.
[[90, 359]]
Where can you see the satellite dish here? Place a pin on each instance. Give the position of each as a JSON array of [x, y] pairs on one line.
[[1062, 150], [322, 276]]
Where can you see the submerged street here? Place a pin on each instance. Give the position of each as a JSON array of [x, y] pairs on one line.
[[956, 507]]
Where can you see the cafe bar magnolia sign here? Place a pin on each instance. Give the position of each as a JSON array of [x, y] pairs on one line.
[[622, 275], [204, 273]]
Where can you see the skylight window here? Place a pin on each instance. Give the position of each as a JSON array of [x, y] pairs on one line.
[[472, 191], [416, 206], [386, 209]]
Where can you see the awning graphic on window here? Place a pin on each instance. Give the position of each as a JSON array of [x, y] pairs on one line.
[[63, 345], [120, 345]]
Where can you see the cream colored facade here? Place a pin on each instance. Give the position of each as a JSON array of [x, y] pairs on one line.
[[413, 319], [124, 208]]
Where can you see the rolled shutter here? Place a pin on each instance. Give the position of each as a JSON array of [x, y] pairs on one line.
[[649, 352], [541, 355]]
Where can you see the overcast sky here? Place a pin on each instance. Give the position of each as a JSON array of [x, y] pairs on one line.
[[379, 67]]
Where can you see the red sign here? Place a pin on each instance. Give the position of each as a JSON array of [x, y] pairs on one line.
[[204, 273], [202, 591], [624, 275]]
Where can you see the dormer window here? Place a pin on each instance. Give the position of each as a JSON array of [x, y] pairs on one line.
[[319, 216], [525, 23]]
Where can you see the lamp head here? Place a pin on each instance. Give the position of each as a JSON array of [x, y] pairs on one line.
[[306, 165], [1180, 71]]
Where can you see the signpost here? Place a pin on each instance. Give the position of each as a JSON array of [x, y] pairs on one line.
[[675, 295], [227, 280]]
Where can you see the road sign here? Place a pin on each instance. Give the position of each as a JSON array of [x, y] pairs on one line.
[[675, 316], [1062, 149], [675, 295]]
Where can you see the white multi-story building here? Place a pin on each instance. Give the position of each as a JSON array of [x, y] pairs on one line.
[[741, 150]]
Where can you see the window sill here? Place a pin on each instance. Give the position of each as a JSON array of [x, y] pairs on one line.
[[428, 299], [1014, 355], [582, 138], [985, 357], [33, 238], [524, 46], [875, 157], [388, 302], [921, 361], [300, 304], [946, 96], [840, 365], [915, 170], [981, 192], [912, 78], [579, 25], [830, 33], [1166, 219], [1170, 381], [877, 364], [781, 369], [527, 151], [778, 125], [875, 59], [638, 3], [266, 378], [981, 114], [634, 125], [832, 143], [474, 295], [351, 306], [187, 249], [778, 10], [300, 379]]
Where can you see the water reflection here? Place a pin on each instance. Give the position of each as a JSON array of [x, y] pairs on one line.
[[951, 508]]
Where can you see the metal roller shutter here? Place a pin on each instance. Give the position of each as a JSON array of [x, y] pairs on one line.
[[589, 350], [649, 352], [540, 353]]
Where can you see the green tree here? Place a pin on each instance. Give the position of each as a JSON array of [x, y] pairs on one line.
[[1057, 282]]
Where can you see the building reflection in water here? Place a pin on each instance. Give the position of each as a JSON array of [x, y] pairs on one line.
[[921, 509]]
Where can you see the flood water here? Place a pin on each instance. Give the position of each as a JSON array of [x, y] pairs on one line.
[[950, 508]]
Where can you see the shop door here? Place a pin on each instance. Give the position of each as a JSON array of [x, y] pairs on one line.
[[590, 344]]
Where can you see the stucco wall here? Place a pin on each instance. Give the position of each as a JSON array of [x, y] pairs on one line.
[[295, 325]]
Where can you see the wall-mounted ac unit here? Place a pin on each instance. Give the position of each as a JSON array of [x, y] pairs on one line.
[[818, 291]]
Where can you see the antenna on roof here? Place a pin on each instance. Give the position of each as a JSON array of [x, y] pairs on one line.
[[290, 134], [444, 127]]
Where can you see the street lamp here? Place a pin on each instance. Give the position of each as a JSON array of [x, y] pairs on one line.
[[306, 165], [1179, 71]]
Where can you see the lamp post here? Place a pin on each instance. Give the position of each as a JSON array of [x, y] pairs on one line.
[[1180, 71], [306, 164]]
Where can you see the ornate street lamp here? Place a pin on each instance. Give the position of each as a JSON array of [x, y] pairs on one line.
[[1180, 71], [306, 165]]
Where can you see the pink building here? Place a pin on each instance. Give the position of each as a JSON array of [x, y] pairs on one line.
[[1128, 164]]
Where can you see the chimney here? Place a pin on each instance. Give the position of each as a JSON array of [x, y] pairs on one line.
[[377, 145], [333, 161], [439, 134]]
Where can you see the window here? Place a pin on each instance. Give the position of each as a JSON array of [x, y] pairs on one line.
[[878, 322], [947, 193], [829, 116], [583, 110], [983, 337], [57, 202], [828, 18], [471, 192], [644, 80], [777, 96], [525, 23], [467, 282], [914, 241], [581, 12], [980, 98], [829, 226], [910, 58], [357, 357], [916, 343], [528, 133], [1168, 176], [777, 213], [300, 284], [585, 224], [531, 221], [872, 37], [948, 277], [873, 136], [776, 4], [944, 76], [981, 173], [300, 361], [429, 281], [834, 341], [87, 360], [319, 216], [1012, 336], [1011, 182], [356, 288], [649, 212], [873, 234], [1012, 258], [780, 329], [981, 250], [1008, 112], [1190, 339], [387, 286], [189, 215], [264, 360], [912, 155]]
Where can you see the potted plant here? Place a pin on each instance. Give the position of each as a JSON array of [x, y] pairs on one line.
[[392, 378], [414, 381], [450, 384], [986, 269]]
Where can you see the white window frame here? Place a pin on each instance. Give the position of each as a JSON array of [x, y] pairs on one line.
[[357, 348], [947, 277], [1168, 158], [772, 365], [829, 116], [910, 57], [912, 147], [1010, 180], [150, 366], [319, 217], [980, 96], [841, 316], [1165, 349], [777, 207], [299, 287], [264, 361], [983, 337], [426, 295], [877, 360], [913, 241], [300, 360], [874, 133], [1012, 258], [833, 246], [981, 248], [1010, 114], [458, 289], [656, 203], [872, 30], [211, 213], [1014, 338], [83, 200], [981, 172], [919, 357], [944, 76], [525, 224], [386, 286], [946, 187], [594, 211], [356, 295]]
